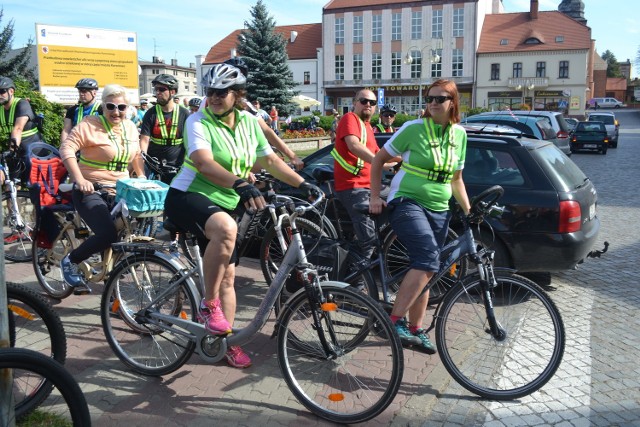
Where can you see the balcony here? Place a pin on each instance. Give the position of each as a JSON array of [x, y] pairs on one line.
[[538, 82], [330, 84]]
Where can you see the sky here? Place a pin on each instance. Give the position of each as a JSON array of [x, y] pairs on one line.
[[182, 29]]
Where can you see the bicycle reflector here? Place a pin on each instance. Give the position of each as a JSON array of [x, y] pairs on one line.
[[336, 397], [329, 306]]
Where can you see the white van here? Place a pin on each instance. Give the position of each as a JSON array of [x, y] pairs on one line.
[[606, 103]]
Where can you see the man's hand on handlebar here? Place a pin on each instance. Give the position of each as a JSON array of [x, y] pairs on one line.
[[376, 204], [312, 192]]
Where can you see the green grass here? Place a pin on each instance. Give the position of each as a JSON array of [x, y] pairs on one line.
[[44, 419]]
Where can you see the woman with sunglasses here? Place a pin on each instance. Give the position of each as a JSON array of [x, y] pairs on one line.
[[223, 142], [107, 145], [433, 152]]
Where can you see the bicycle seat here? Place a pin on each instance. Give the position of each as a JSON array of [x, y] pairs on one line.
[[172, 227], [323, 174]]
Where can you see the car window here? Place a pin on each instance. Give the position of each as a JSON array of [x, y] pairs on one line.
[[561, 170], [546, 129], [604, 118], [490, 167], [561, 122]]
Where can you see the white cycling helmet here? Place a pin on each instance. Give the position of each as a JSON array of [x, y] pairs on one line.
[[224, 76]]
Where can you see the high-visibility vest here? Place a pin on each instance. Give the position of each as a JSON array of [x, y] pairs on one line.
[[382, 129], [443, 160], [359, 163], [168, 136], [7, 126], [120, 161], [80, 115]]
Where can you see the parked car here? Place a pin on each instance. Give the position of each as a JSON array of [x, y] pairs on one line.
[[571, 122], [590, 136], [554, 119], [550, 221], [533, 127], [610, 122], [606, 103]]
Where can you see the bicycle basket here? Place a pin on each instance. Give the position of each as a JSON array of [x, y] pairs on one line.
[[143, 197]]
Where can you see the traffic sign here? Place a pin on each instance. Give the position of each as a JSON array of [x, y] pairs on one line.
[[380, 97]]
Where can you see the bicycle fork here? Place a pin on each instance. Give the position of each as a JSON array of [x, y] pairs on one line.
[[487, 283], [16, 217]]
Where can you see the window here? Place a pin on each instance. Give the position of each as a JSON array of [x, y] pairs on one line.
[[416, 25], [307, 77], [376, 66], [504, 42], [339, 30], [436, 24], [416, 64], [376, 28], [563, 72], [487, 166], [339, 67], [458, 22], [357, 66], [396, 65], [436, 67], [175, 72], [532, 40], [357, 29], [541, 69], [495, 71], [186, 74], [155, 71], [559, 39], [396, 26], [457, 63], [517, 69]]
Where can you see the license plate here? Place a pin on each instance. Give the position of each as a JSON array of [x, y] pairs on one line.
[[592, 211], [590, 146]]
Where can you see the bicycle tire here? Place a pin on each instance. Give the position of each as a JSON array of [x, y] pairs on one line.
[[147, 226], [363, 378], [32, 368], [143, 347], [35, 325], [511, 366], [46, 265], [18, 250], [395, 259], [271, 254]]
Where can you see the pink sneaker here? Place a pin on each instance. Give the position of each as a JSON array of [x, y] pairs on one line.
[[237, 358], [213, 318]]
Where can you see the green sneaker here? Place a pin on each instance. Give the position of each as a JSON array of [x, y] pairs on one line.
[[406, 338], [425, 346]]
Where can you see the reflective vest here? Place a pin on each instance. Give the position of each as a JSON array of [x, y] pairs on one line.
[[443, 156], [6, 127], [120, 161], [359, 163], [80, 115], [168, 135], [382, 129]]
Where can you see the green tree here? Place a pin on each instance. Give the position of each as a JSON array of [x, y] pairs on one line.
[[613, 68], [18, 65], [53, 113], [265, 52]]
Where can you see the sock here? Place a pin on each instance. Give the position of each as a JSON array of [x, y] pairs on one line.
[[413, 329], [394, 319]]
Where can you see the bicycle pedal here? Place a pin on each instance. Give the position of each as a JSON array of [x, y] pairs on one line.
[[81, 290]]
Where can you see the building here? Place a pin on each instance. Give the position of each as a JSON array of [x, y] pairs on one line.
[[304, 47], [538, 60], [186, 76], [400, 46]]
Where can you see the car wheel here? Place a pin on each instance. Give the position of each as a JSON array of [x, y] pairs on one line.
[[603, 150], [614, 144]]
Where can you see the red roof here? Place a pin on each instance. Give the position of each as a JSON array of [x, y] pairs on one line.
[[304, 47], [350, 4], [518, 27]]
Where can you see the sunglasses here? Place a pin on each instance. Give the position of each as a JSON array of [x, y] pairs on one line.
[[111, 106], [365, 101], [3, 91], [160, 89], [388, 115], [220, 93], [438, 99]]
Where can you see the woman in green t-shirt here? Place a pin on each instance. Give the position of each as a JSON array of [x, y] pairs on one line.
[[433, 151]]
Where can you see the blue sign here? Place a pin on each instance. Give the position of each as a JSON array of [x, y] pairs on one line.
[[563, 103], [380, 97]]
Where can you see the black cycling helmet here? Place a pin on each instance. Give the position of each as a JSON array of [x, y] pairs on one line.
[[166, 80], [87, 84], [6, 83], [195, 102], [239, 63], [388, 108]]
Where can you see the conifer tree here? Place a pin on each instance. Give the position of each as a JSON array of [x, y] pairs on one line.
[[270, 79], [613, 68], [18, 65]]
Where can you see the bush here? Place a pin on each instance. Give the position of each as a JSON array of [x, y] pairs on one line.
[[305, 133], [53, 112], [476, 110]]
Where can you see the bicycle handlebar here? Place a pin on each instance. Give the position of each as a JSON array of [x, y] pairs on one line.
[[68, 186]]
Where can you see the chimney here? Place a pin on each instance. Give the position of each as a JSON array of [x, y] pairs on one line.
[[534, 10], [294, 35], [154, 60], [174, 62]]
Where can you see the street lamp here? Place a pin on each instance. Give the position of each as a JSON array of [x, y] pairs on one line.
[[433, 58], [527, 86]]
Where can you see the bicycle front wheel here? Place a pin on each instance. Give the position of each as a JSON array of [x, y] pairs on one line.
[[46, 265], [18, 235], [517, 360], [147, 348], [64, 404], [356, 373]]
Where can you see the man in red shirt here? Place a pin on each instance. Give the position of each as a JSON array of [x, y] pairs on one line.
[[354, 150]]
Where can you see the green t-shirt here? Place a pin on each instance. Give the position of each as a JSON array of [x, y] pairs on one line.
[[426, 146], [236, 150]]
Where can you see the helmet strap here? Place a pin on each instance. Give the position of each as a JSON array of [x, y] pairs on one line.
[[225, 114]]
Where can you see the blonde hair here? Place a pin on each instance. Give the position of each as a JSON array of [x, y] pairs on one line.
[[114, 90]]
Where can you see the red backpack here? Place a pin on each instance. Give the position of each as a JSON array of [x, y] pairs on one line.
[[47, 171]]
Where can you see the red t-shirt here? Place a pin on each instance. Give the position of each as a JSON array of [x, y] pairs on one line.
[[350, 124]]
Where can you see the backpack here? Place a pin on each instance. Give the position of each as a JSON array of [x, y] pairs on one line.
[[46, 172]]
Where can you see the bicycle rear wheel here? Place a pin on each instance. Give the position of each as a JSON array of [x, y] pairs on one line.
[[18, 239], [517, 361], [362, 375], [145, 347], [46, 265], [64, 404]]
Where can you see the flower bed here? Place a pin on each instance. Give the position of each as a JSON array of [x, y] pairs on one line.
[[297, 134]]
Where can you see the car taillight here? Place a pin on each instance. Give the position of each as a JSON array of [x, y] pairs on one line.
[[574, 139], [562, 134], [570, 217]]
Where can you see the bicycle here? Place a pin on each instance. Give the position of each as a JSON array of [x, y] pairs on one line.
[[17, 210], [72, 231], [337, 349], [28, 370]]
